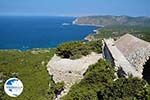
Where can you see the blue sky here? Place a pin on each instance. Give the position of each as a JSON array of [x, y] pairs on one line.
[[75, 7]]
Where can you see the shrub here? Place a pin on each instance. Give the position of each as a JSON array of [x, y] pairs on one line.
[[125, 89], [97, 77], [75, 50], [59, 87], [96, 46], [98, 84]]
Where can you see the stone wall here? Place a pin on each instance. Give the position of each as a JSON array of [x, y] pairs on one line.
[[107, 54]]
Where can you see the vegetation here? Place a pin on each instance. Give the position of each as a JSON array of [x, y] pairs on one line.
[[117, 31], [99, 84], [95, 85], [125, 89], [73, 50], [97, 78], [148, 92], [95, 46], [77, 49], [30, 68], [119, 25], [58, 88], [109, 20], [1, 91]]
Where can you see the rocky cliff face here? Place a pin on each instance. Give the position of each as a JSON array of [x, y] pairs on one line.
[[113, 20]]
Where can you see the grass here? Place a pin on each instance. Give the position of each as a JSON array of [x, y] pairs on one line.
[[30, 68]]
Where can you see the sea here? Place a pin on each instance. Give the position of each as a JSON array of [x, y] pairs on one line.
[[28, 32]]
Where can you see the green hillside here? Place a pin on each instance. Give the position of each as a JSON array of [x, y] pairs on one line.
[[117, 31], [30, 68]]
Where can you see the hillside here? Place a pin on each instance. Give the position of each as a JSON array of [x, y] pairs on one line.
[[117, 31], [98, 82], [113, 20], [30, 67]]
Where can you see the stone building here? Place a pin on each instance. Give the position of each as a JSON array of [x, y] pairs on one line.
[[130, 56]]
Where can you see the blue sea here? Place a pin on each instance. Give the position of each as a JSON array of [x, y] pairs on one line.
[[18, 32]]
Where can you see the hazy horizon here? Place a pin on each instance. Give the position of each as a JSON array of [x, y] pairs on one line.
[[74, 8], [29, 15]]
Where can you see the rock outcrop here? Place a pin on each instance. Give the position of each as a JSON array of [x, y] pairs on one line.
[[70, 71]]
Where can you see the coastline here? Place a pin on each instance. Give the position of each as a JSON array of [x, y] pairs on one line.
[[88, 25], [26, 50], [89, 37], [75, 22], [86, 38]]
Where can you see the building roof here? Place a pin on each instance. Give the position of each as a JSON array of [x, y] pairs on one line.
[[136, 51], [128, 44], [120, 60]]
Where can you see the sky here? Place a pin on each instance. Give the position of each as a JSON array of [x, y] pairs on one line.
[[75, 7]]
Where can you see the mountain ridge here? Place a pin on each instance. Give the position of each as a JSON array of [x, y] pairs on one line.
[[109, 20]]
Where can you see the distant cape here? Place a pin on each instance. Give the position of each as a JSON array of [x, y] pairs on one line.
[[109, 20]]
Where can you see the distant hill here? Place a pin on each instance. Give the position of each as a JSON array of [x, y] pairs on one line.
[[113, 20]]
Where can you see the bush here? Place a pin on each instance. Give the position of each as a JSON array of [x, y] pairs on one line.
[[81, 93], [125, 89], [148, 87], [96, 46], [97, 77], [75, 50], [59, 87], [98, 84]]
